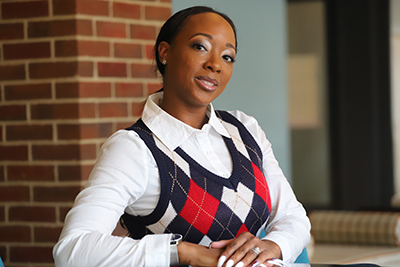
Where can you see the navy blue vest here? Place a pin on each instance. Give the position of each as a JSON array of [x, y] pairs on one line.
[[198, 204]]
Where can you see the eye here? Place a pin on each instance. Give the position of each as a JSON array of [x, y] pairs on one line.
[[199, 47], [228, 58]]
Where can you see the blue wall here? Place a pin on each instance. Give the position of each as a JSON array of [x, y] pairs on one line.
[[258, 84]]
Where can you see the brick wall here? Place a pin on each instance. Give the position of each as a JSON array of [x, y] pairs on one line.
[[71, 73]]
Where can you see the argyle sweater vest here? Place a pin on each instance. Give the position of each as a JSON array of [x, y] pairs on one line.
[[198, 204]]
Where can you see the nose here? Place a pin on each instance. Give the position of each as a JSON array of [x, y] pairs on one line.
[[213, 64]]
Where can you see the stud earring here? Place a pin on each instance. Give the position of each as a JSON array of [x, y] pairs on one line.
[[164, 61]]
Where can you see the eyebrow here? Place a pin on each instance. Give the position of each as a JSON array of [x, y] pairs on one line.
[[211, 38]]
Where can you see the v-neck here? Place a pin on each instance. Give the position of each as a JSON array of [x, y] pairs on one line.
[[235, 176]]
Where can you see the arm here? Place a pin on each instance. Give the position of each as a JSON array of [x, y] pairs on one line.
[[86, 238], [288, 227]]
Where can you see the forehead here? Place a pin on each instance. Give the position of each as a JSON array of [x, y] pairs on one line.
[[210, 23]]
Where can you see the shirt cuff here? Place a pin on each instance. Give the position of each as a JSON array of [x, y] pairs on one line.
[[157, 250]]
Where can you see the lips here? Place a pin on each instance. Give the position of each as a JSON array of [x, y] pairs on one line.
[[207, 83]]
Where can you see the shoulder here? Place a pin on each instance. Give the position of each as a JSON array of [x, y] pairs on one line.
[[123, 145], [251, 124]]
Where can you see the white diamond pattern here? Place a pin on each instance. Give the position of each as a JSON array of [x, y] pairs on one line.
[[241, 207], [161, 225]]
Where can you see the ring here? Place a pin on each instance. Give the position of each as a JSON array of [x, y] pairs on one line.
[[256, 250]]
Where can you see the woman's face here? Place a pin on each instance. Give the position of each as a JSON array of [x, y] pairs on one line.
[[199, 61]]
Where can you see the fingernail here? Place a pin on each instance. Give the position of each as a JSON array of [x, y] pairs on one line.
[[221, 261], [240, 264], [255, 264], [230, 263], [262, 265]]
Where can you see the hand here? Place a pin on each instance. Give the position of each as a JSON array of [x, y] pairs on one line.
[[197, 255], [239, 253]]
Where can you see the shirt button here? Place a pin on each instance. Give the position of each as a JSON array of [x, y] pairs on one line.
[[209, 153]]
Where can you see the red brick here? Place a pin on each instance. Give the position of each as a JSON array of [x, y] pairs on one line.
[[64, 7], [11, 31], [113, 110], [74, 173], [26, 50], [64, 152], [27, 91], [30, 173], [142, 71], [18, 152], [83, 90], [88, 7], [2, 176], [12, 72], [15, 234], [111, 29], [85, 69], [84, 27], [150, 52], [13, 113], [62, 111], [55, 193], [127, 50], [143, 32], [59, 28], [137, 109], [63, 212], [124, 125], [92, 7], [3, 253], [129, 90], [84, 131], [29, 132], [15, 10], [71, 48], [157, 13], [32, 214], [2, 214], [60, 70], [14, 193], [31, 254], [47, 234], [125, 10], [111, 69], [153, 87]]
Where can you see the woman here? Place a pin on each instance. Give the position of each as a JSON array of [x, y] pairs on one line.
[[185, 171]]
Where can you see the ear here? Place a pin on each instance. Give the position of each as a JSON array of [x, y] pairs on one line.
[[163, 49]]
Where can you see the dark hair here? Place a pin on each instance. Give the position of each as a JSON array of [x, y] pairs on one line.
[[175, 23]]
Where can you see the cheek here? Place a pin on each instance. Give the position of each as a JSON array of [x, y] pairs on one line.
[[227, 76], [188, 63]]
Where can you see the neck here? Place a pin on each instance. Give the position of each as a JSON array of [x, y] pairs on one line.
[[195, 118]]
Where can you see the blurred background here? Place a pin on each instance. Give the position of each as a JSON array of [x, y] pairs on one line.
[[320, 76]]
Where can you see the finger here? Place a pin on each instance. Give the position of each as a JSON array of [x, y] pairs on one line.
[[250, 258], [242, 255], [221, 243], [231, 247]]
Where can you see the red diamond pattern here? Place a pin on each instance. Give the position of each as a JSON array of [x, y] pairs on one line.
[[200, 208], [261, 185]]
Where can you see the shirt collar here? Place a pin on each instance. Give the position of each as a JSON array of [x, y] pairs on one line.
[[171, 131]]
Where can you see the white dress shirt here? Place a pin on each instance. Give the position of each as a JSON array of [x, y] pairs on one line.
[[125, 179]]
